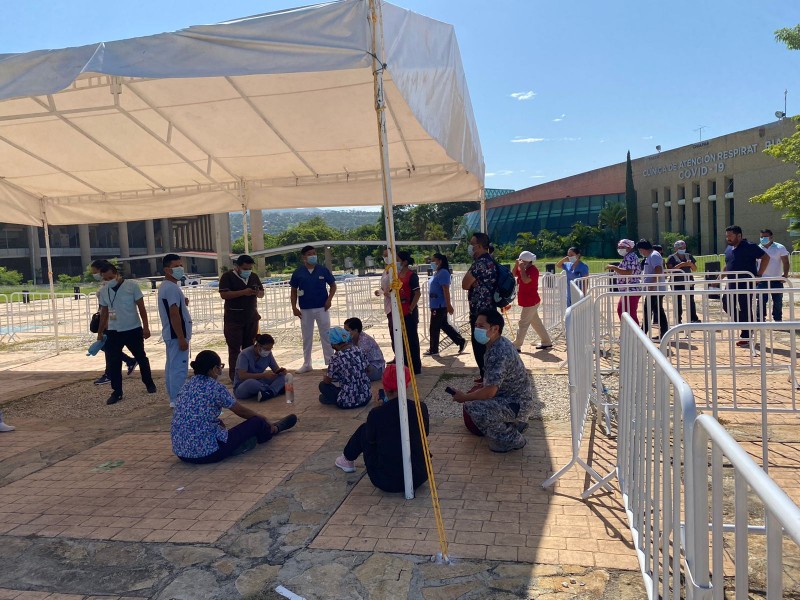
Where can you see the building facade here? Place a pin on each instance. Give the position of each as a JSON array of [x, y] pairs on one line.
[[696, 190], [73, 247]]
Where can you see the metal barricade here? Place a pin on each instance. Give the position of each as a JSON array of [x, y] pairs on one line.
[[580, 348], [35, 317]]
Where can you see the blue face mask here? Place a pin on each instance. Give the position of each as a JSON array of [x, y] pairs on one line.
[[434, 266], [764, 241], [312, 260], [97, 276], [178, 273], [245, 274], [481, 335]]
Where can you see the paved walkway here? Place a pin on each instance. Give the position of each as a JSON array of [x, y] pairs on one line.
[[93, 504]]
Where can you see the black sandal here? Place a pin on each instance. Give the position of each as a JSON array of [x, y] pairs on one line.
[[286, 422]]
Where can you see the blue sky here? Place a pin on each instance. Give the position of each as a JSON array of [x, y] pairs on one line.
[[558, 88]]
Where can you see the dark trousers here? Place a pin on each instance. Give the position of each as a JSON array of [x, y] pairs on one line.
[[134, 341], [125, 358], [654, 306], [329, 394], [240, 439], [692, 306], [777, 301], [388, 480], [439, 323], [412, 331], [479, 350], [238, 336], [391, 329], [741, 311]]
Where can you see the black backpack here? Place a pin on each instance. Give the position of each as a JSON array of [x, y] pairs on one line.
[[506, 289]]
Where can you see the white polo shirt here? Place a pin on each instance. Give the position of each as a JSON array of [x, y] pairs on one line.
[[776, 253]]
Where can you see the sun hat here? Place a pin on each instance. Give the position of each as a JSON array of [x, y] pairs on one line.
[[338, 335], [527, 256]]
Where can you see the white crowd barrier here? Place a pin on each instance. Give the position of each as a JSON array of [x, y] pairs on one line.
[[31, 313]]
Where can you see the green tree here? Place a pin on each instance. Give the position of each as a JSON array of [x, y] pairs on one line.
[[632, 216], [582, 235], [10, 277], [786, 194], [668, 239], [612, 216]]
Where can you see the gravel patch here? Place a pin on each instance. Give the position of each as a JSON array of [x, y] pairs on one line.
[[84, 400], [550, 397]]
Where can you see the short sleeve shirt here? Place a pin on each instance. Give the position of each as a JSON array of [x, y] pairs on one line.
[[435, 291], [121, 304], [170, 294], [776, 253], [196, 429], [675, 259], [573, 272], [630, 262], [651, 263], [245, 308], [251, 362], [505, 369], [348, 368], [743, 257], [481, 295], [312, 286], [371, 350], [528, 293]]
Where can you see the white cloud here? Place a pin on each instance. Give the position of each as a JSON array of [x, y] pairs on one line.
[[559, 119], [523, 95], [500, 173], [647, 137], [530, 140], [538, 176], [569, 139]]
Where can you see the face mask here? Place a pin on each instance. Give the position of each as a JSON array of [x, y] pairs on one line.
[[312, 260], [178, 272], [764, 241], [622, 251], [399, 266], [245, 274], [481, 335], [681, 252], [434, 266], [265, 353], [97, 276], [470, 249], [572, 259]]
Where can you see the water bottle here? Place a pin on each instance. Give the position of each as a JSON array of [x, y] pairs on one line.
[[289, 386]]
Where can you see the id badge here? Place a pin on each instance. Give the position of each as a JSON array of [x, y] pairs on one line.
[[112, 315]]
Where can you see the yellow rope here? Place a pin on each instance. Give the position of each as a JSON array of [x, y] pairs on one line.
[[437, 509]]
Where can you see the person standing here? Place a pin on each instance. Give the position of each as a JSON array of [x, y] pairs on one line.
[[528, 298], [441, 306], [654, 282], [129, 361], [386, 292], [120, 299], [741, 255], [629, 265], [778, 268], [176, 325], [681, 260], [241, 289], [314, 286], [409, 301], [575, 269], [481, 282]]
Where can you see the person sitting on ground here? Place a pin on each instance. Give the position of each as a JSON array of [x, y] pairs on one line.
[[251, 377], [346, 384], [198, 435], [379, 440], [499, 410], [367, 344]]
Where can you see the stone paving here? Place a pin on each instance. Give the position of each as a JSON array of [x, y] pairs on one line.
[[98, 508]]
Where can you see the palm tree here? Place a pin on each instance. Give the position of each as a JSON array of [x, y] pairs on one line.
[[612, 216]]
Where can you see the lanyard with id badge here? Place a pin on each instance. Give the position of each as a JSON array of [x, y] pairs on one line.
[[112, 314]]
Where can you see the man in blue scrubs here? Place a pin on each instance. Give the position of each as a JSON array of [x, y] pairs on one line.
[[176, 325], [313, 286]]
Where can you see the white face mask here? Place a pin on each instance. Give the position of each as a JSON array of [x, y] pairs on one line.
[[265, 353], [572, 259], [622, 251]]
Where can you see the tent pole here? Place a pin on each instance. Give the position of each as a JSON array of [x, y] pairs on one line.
[[376, 26], [245, 228], [50, 274], [483, 211]]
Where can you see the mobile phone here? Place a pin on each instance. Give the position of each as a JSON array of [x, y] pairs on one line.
[[450, 390]]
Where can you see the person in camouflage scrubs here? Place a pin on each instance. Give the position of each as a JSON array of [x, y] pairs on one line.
[[500, 408]]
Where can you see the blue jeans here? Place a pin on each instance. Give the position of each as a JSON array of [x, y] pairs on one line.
[[375, 373], [176, 368], [250, 387], [777, 301]]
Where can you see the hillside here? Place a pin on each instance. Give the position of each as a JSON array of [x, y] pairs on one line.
[[276, 221]]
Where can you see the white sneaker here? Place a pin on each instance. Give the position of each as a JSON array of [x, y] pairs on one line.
[[305, 369], [172, 405], [4, 427], [348, 466], [258, 396]]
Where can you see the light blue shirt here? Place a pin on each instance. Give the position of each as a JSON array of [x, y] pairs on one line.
[[170, 293], [122, 304]]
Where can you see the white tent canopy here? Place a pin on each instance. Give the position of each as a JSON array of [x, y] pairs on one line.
[[271, 111]]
